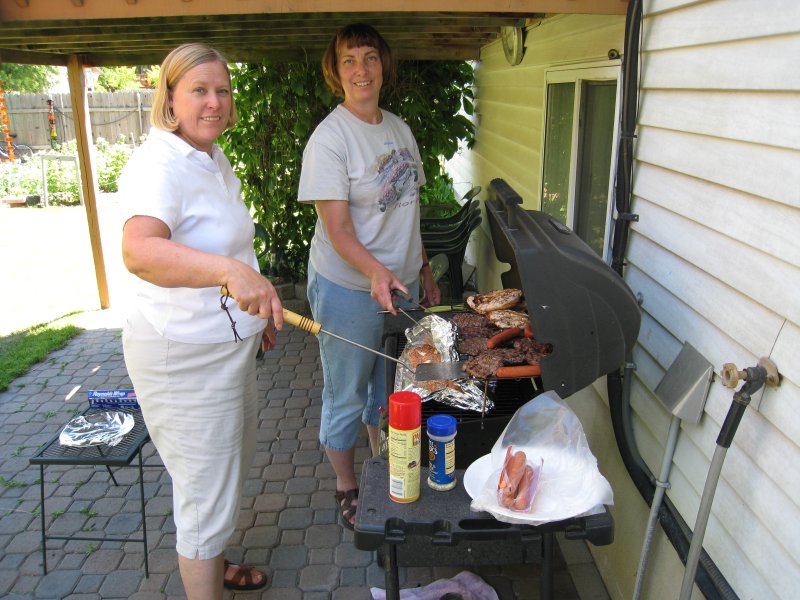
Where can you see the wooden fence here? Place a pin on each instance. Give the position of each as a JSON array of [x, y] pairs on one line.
[[113, 116]]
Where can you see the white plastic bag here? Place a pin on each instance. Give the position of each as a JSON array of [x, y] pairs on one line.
[[570, 483]]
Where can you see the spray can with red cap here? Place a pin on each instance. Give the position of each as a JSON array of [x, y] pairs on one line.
[[405, 443]]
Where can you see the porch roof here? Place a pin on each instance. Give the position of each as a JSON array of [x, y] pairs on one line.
[[140, 32]]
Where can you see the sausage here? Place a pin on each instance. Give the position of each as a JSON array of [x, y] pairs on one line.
[[510, 478], [503, 336], [515, 469], [524, 491], [528, 332], [519, 371]]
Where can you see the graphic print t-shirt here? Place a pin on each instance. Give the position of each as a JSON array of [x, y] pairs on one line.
[[377, 169]]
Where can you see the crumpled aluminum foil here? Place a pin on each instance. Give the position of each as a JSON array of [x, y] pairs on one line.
[[97, 427], [465, 393]]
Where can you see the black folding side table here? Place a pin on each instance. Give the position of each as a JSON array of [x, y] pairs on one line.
[[121, 455], [446, 519]]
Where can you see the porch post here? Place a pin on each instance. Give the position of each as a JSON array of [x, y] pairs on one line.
[[83, 137]]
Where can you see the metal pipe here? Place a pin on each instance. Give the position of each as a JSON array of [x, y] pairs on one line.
[[662, 483], [755, 378]]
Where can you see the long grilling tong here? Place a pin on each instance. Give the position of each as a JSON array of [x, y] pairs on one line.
[[311, 326]]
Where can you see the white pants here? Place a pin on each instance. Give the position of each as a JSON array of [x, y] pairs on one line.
[[199, 404]]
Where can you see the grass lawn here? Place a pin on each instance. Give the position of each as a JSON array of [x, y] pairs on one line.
[[24, 348]]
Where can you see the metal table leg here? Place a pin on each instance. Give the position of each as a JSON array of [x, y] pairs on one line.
[[144, 521], [44, 536]]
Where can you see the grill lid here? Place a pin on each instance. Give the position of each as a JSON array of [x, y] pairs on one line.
[[575, 300]]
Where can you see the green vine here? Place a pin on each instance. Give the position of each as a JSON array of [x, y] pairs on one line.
[[280, 104]]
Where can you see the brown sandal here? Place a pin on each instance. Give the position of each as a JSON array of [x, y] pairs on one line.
[[244, 579], [346, 507]]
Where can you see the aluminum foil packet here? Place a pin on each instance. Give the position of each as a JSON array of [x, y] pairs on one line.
[[464, 393], [97, 427]]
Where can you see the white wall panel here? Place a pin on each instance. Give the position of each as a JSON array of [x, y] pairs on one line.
[[750, 323], [691, 26], [769, 119], [766, 226], [770, 282], [763, 171], [759, 64]]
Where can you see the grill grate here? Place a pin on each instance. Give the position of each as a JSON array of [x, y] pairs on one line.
[[476, 433]]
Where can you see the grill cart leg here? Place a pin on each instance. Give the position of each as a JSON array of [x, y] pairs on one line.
[[391, 574], [546, 576]]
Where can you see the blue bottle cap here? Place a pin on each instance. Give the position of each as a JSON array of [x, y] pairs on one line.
[[441, 425]]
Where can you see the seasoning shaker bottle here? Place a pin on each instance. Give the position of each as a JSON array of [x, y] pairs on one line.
[[441, 452], [405, 442]]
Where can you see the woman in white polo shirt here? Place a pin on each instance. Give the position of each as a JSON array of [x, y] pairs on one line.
[[191, 352]]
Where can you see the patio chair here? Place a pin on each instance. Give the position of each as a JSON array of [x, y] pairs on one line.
[[454, 246]]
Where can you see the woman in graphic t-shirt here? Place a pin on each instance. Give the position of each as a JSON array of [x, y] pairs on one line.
[[362, 170]]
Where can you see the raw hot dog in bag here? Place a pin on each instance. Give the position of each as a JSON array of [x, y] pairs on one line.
[[518, 482]]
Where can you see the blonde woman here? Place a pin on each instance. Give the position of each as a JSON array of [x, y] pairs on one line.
[[190, 352]]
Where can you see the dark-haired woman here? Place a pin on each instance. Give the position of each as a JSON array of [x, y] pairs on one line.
[[362, 170]]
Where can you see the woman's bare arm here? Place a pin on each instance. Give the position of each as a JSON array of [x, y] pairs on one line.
[[149, 253]]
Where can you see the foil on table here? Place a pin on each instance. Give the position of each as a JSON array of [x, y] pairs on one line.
[[463, 393], [97, 427]]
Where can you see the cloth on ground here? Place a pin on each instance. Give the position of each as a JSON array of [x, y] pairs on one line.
[[467, 585]]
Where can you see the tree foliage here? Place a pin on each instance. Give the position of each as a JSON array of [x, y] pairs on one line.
[[279, 106], [113, 79], [27, 79]]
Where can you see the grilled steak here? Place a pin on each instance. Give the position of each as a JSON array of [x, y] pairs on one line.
[[484, 365], [512, 356], [472, 346], [533, 350], [471, 325]]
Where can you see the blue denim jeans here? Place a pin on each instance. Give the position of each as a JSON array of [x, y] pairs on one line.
[[354, 382]]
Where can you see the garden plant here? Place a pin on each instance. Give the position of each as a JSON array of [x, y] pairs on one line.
[[280, 104], [23, 179]]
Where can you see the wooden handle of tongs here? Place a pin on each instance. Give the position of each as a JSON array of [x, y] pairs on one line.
[[301, 322]]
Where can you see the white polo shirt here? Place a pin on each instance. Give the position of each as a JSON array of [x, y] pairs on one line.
[[199, 198]]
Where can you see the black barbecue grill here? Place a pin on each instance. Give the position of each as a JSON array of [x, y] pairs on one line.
[[580, 306], [575, 302]]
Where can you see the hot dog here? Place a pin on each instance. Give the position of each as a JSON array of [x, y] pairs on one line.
[[524, 491], [519, 480], [528, 332], [503, 336], [519, 371], [510, 478]]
